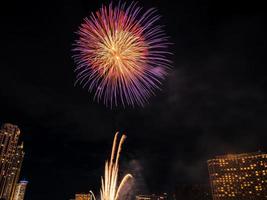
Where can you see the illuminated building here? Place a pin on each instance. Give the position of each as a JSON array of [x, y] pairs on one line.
[[83, 197], [151, 197], [20, 190], [11, 156], [239, 177]]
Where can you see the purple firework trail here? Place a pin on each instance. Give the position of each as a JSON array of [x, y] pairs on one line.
[[121, 54]]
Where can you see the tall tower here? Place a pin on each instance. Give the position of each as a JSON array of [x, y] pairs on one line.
[[239, 176], [11, 157], [20, 190]]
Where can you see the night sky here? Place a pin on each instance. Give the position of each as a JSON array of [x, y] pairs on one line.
[[213, 102]]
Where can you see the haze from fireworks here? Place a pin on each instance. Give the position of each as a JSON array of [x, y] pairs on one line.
[[110, 189], [121, 54]]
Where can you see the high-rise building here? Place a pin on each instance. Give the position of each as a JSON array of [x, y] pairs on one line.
[[151, 197], [20, 190], [83, 197], [11, 156], [239, 176]]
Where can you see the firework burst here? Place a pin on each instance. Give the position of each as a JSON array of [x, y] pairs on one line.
[[121, 54]]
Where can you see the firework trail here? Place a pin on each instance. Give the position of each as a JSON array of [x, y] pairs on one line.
[[121, 54], [110, 189]]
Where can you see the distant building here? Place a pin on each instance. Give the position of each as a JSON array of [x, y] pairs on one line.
[[20, 190], [152, 197], [239, 176], [83, 197], [192, 192], [11, 157]]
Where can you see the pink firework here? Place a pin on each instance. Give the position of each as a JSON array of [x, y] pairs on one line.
[[121, 54]]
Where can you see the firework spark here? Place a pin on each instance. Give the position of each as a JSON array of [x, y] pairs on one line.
[[121, 54], [110, 190]]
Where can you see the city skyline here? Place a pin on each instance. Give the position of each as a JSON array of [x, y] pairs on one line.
[[213, 102], [232, 176]]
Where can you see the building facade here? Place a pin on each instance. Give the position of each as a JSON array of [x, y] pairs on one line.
[[83, 197], [239, 176], [152, 197], [11, 157], [20, 190]]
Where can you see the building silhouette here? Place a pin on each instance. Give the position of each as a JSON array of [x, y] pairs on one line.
[[192, 192], [151, 197], [239, 176], [11, 157]]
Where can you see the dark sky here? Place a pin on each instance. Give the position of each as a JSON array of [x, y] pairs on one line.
[[213, 102]]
